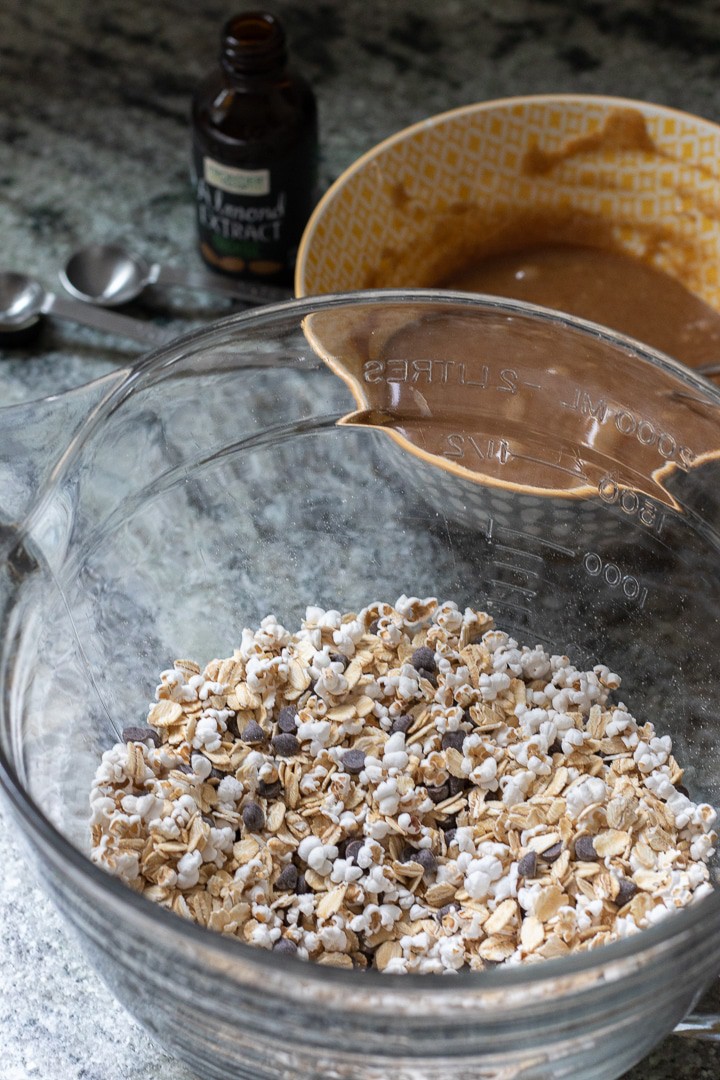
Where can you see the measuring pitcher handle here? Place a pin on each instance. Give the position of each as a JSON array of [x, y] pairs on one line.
[[33, 438], [702, 1026]]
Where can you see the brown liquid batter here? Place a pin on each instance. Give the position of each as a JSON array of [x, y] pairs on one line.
[[454, 386], [604, 286]]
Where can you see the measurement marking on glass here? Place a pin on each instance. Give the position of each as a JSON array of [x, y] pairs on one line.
[[484, 449], [641, 507], [613, 576], [517, 551], [577, 472], [517, 569], [538, 541], [530, 593], [508, 605], [553, 546]]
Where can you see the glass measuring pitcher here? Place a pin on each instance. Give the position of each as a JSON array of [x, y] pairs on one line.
[[336, 451]]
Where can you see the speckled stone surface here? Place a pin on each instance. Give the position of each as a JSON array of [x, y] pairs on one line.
[[94, 135]]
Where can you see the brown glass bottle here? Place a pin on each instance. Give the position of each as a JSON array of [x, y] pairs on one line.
[[255, 148]]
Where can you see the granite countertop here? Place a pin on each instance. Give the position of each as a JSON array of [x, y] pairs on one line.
[[93, 116]]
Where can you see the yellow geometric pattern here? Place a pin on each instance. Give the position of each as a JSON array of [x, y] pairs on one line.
[[662, 198]]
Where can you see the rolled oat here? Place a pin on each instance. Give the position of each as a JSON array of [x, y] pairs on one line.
[[405, 788]]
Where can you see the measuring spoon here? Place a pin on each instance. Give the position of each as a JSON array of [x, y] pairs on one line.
[[108, 275], [23, 301]]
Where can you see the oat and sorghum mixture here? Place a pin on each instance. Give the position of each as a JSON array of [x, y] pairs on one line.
[[405, 788]]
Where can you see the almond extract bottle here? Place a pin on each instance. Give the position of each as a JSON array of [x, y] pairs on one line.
[[255, 150]]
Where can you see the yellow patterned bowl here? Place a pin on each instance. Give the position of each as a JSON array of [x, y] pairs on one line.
[[606, 171]]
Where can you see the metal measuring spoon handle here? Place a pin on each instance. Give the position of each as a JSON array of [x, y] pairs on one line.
[[248, 291], [100, 319]]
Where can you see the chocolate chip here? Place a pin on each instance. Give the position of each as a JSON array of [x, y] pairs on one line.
[[141, 734], [456, 784], [352, 849], [527, 866], [286, 720], [285, 744], [585, 849], [253, 817], [626, 891], [424, 659], [287, 879], [339, 658], [269, 791], [353, 761], [423, 856], [450, 836], [253, 733], [402, 723], [427, 860], [552, 853], [285, 945], [374, 626], [429, 675], [453, 740], [447, 908], [439, 794], [302, 888], [217, 774]]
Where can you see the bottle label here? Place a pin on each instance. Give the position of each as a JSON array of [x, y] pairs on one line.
[[250, 220], [236, 181]]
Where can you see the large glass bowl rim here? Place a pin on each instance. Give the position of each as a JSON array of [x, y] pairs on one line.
[[669, 929]]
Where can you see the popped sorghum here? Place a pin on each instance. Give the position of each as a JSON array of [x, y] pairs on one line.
[[405, 788]]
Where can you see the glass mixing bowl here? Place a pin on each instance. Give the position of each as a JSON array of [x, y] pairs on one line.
[[557, 475]]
